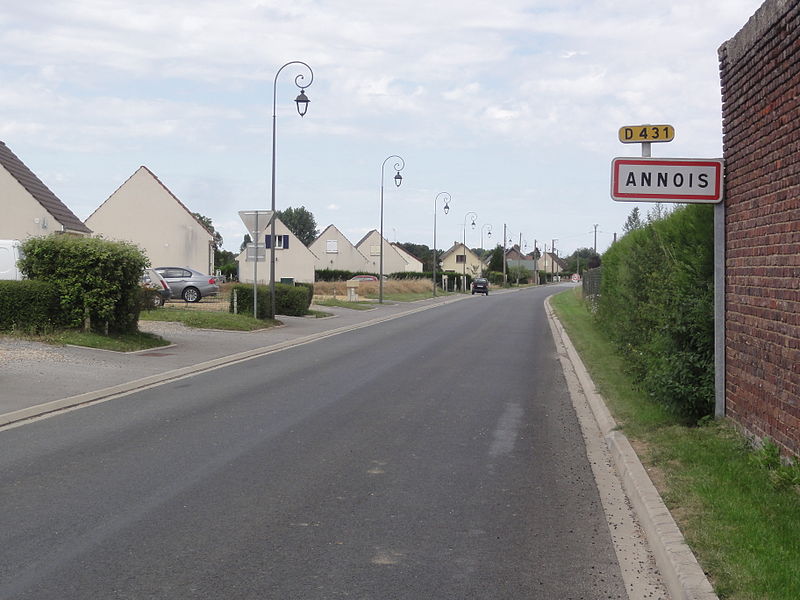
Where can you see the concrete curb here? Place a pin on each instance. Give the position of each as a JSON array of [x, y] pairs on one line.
[[682, 574], [32, 412]]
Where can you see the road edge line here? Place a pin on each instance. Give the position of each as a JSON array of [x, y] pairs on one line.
[[682, 574]]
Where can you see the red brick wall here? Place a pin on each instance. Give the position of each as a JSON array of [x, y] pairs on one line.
[[760, 74]]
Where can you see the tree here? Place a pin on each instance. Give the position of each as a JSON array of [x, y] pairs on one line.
[[247, 240], [633, 222], [300, 222], [209, 226], [581, 260], [496, 260]]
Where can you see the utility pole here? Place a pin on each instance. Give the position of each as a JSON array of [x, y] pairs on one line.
[[595, 238], [505, 237], [553, 259]]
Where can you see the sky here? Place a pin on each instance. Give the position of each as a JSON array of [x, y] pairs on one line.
[[511, 106]]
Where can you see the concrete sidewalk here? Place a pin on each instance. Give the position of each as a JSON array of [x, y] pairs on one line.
[[37, 379]]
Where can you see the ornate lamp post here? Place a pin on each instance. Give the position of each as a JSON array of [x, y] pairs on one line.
[[302, 106], [464, 240], [446, 197], [398, 179]]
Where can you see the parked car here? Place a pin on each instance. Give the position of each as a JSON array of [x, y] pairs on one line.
[[188, 284], [153, 279], [480, 286], [365, 278]]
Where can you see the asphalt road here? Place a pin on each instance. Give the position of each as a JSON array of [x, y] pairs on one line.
[[433, 456]]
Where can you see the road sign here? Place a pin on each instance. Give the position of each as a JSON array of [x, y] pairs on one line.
[[684, 180], [636, 134]]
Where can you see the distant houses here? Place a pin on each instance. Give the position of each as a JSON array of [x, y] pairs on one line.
[[461, 260], [334, 251], [393, 261], [293, 261]]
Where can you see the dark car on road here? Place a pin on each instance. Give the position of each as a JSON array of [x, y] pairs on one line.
[[188, 284], [480, 286]]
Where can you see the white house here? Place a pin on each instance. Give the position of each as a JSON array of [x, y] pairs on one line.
[[143, 211], [334, 251], [370, 246], [462, 260], [413, 264], [30, 209], [292, 259]]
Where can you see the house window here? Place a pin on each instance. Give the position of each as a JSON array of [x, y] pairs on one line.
[[461, 259], [332, 246], [281, 242], [375, 250]]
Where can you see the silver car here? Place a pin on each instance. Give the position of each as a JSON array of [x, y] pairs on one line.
[[188, 284]]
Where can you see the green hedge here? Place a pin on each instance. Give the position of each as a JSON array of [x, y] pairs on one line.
[[334, 274], [657, 303], [290, 300], [97, 280], [29, 306]]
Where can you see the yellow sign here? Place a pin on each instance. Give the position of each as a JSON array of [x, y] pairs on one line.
[[636, 134]]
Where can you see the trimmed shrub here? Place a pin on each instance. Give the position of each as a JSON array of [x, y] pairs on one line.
[[290, 300], [97, 280], [657, 304], [333, 275], [29, 306]]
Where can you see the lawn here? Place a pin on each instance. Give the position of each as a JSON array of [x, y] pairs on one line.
[[207, 319], [738, 508]]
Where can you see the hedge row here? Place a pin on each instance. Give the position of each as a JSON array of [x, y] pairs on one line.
[[97, 280], [290, 300], [657, 303], [29, 306]]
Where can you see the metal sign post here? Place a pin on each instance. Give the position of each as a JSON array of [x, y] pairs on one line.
[[255, 221], [685, 181]]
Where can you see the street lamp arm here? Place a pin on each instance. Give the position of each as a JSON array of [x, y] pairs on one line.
[[298, 81], [398, 166], [447, 199]]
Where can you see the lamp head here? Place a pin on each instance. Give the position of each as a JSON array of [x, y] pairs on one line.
[[446, 208], [302, 103], [398, 179]]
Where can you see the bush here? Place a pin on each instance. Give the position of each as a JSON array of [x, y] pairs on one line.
[[656, 303], [290, 300], [333, 275], [29, 306], [97, 280]]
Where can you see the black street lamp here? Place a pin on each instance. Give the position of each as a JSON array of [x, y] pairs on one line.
[[398, 179], [447, 199], [302, 107], [464, 241]]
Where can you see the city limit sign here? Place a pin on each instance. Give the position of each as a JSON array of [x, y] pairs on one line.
[[684, 180]]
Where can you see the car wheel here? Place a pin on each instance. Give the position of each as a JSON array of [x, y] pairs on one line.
[[191, 294], [158, 301]]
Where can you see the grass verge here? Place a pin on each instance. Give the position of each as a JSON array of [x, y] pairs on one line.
[[741, 521], [208, 319], [126, 342], [345, 304]]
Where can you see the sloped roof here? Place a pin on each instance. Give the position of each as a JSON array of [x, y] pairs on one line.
[[166, 189], [404, 253], [369, 233], [40, 192], [457, 246]]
